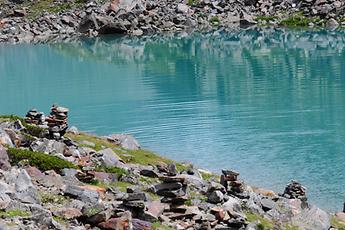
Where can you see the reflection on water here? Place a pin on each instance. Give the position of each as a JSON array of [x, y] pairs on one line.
[[269, 103]]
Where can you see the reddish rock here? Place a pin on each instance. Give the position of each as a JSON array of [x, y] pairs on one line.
[[121, 223], [113, 6], [101, 191], [103, 176], [48, 179], [35, 173], [68, 213], [84, 161], [340, 216], [156, 208], [218, 212], [265, 192]]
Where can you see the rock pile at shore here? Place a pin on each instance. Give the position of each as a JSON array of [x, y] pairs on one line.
[[86, 182], [22, 22]]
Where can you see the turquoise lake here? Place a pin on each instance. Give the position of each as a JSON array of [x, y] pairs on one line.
[[269, 103]]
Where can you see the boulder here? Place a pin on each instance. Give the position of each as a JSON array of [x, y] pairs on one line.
[[25, 190], [267, 204], [155, 209], [40, 215], [167, 186], [4, 200], [5, 138], [4, 160], [313, 218], [123, 222], [182, 8], [109, 157], [68, 213], [49, 146], [80, 193], [126, 141], [74, 130], [332, 23], [232, 204], [216, 197]]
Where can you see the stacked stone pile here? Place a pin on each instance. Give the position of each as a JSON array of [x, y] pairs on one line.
[[294, 190], [33, 116]]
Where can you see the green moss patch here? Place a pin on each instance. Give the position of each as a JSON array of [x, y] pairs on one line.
[[159, 225], [47, 197], [115, 170], [299, 20], [40, 160], [215, 20], [14, 213], [264, 223], [337, 224], [193, 3]]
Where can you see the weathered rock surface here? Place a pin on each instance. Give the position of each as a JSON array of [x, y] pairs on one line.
[[140, 17], [134, 196]]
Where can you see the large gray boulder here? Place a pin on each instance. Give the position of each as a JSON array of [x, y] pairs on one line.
[[232, 204], [109, 158], [4, 160], [49, 146], [85, 195], [26, 192], [4, 200], [312, 218], [5, 139], [126, 141]]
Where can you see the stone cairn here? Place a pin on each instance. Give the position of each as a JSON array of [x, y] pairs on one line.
[[56, 122], [229, 179], [35, 117], [294, 190]]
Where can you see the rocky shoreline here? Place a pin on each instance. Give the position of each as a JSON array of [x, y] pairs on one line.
[[56, 20], [82, 181]]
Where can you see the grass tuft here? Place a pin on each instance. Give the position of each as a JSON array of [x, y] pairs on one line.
[[40, 160], [215, 20], [299, 20], [264, 223], [114, 170], [14, 213]]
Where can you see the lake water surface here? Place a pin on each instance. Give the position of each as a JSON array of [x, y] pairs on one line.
[[267, 103]]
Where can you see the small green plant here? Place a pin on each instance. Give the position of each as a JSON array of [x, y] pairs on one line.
[[40, 160], [299, 20], [159, 225], [122, 186], [47, 197], [264, 224], [207, 176], [14, 213], [215, 20], [109, 169], [193, 2], [337, 224]]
